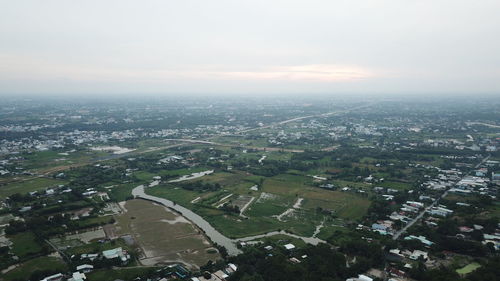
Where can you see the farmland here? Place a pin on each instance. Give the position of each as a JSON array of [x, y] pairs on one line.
[[275, 195], [163, 236]]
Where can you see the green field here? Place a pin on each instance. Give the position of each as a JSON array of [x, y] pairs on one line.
[[25, 244], [468, 268], [28, 186], [395, 185], [96, 247], [121, 192], [119, 273], [274, 197], [24, 271]]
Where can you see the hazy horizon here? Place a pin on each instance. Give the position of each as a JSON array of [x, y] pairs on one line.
[[245, 48]]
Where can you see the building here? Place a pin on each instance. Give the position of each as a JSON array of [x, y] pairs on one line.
[[360, 277], [55, 277], [417, 254], [77, 276], [85, 268], [116, 253]]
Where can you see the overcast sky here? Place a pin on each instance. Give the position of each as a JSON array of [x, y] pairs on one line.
[[249, 47]]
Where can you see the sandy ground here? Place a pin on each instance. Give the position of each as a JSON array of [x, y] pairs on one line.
[[164, 236]]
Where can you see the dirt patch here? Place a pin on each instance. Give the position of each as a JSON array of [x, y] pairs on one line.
[[164, 236], [110, 231]]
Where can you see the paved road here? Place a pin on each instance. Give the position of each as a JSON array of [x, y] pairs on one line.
[[417, 218], [307, 117], [421, 214], [67, 167]]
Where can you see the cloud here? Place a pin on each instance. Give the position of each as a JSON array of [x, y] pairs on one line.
[[315, 72], [23, 68]]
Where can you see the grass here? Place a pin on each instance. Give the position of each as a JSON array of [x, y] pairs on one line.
[[121, 192], [284, 190], [343, 183], [96, 247], [90, 222], [236, 227], [28, 186], [24, 271], [42, 159], [119, 273], [281, 239], [468, 268], [24, 244], [395, 185], [176, 194]]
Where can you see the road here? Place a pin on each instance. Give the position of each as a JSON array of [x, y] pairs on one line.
[[484, 124], [417, 218], [52, 170], [306, 117], [185, 141], [421, 214]]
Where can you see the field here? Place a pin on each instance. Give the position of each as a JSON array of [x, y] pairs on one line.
[[119, 273], [24, 244], [28, 186], [24, 271], [163, 236], [273, 205], [468, 268], [96, 247]]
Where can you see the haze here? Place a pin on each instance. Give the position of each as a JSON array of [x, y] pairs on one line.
[[249, 47]]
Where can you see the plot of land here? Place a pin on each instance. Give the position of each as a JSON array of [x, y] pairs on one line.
[[78, 239], [25, 244], [468, 268], [28, 186], [164, 236], [24, 271], [275, 195]]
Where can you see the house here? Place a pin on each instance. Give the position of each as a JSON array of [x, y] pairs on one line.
[[231, 267], [377, 226], [89, 256], [85, 268], [221, 275], [55, 277], [417, 254], [388, 197], [440, 211], [116, 253], [89, 193], [420, 238], [289, 246], [77, 276], [465, 229], [361, 277]]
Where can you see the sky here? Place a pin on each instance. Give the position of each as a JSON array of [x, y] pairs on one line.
[[257, 47]]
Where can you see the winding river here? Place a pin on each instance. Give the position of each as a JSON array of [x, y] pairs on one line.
[[210, 231]]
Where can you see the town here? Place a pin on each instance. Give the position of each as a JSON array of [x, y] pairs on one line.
[[249, 189]]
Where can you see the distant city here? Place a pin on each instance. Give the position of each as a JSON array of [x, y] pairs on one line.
[[249, 189]]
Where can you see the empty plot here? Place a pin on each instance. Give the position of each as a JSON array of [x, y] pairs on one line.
[[164, 236]]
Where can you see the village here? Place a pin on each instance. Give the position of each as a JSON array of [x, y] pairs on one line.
[[202, 202]]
